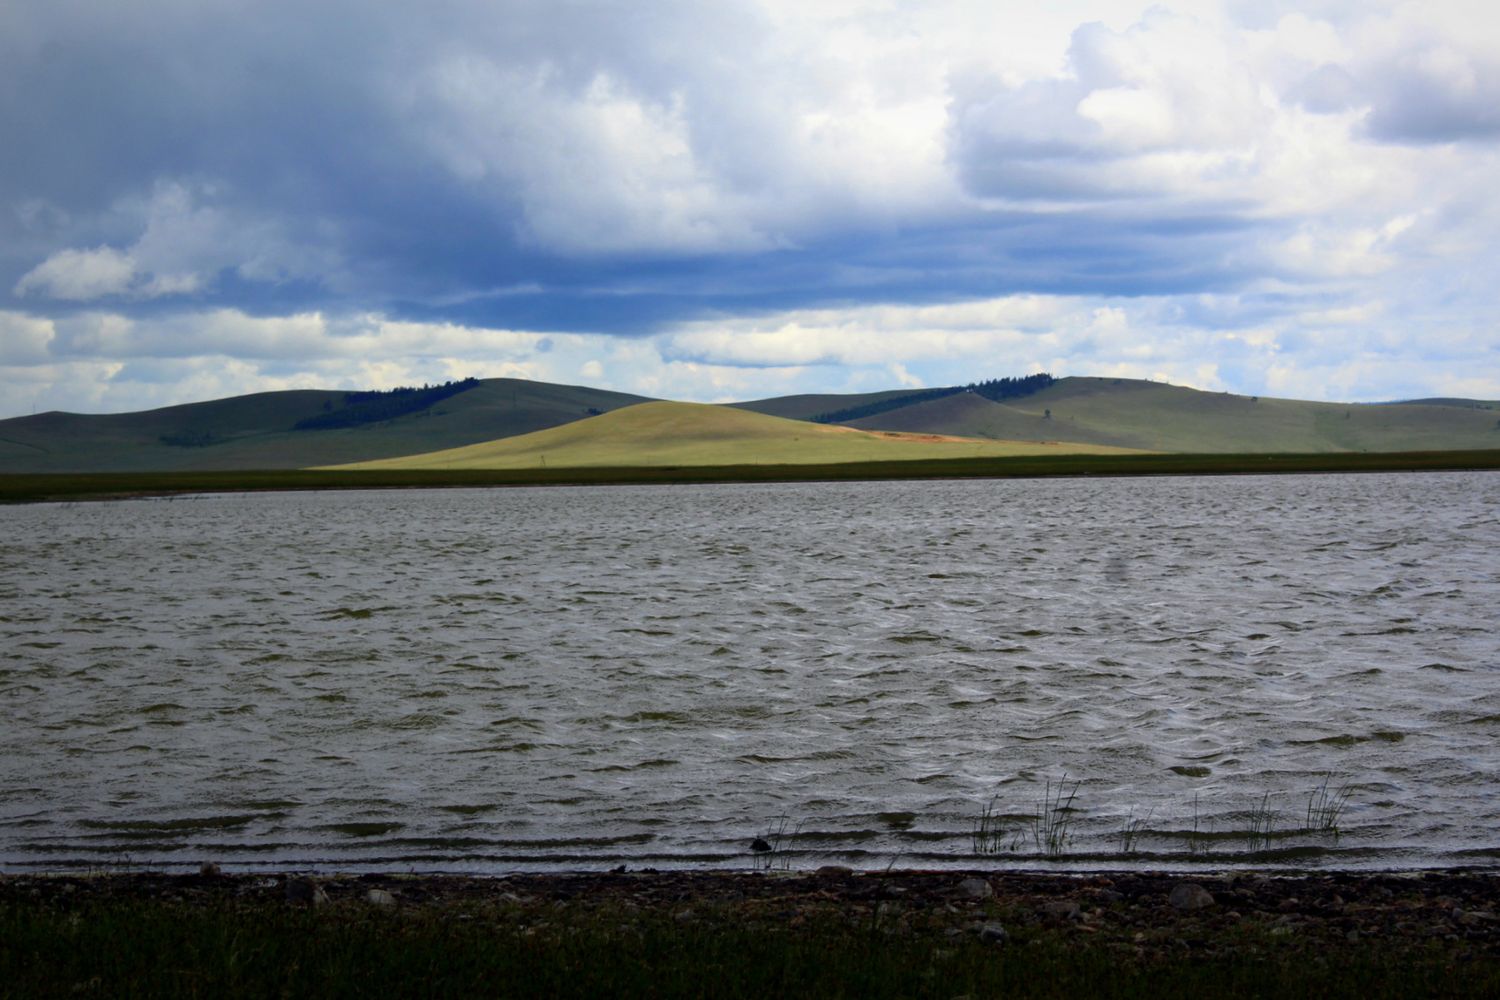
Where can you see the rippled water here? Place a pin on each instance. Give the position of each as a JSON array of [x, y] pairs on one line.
[[499, 679]]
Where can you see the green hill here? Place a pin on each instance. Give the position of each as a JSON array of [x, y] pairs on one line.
[[1153, 416], [696, 434], [806, 407], [258, 431]]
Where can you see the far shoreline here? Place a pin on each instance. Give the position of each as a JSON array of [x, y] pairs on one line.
[[79, 486]]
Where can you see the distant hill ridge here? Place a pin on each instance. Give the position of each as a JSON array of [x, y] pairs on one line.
[[306, 428]]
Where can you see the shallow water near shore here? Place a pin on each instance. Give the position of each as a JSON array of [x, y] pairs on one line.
[[1168, 672]]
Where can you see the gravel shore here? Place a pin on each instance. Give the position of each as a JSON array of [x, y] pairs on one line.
[[1148, 915]]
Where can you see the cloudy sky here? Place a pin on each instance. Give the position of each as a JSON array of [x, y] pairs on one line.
[[731, 199]]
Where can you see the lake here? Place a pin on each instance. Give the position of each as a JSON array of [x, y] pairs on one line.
[[1170, 672]]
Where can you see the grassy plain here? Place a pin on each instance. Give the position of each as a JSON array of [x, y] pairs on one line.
[[694, 434]]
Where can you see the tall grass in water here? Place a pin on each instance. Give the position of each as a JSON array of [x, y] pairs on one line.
[[1133, 828], [1054, 819], [1325, 807], [1198, 840], [777, 845], [996, 832], [1262, 824], [1050, 827]]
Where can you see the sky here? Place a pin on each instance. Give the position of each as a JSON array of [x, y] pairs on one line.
[[722, 200]]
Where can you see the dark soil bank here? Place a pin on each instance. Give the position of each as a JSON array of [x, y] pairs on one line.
[[833, 932]]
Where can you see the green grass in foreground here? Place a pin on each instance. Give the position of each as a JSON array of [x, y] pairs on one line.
[[167, 949], [72, 486]]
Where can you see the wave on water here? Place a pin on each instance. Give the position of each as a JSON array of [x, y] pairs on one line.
[[1272, 671]]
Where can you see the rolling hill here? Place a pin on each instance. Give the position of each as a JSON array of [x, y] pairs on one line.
[[316, 428], [259, 431], [1153, 416], [808, 406], [698, 434]]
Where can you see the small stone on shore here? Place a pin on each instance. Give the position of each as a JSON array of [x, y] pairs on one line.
[[305, 891], [1060, 909], [975, 888], [993, 933], [1189, 896]]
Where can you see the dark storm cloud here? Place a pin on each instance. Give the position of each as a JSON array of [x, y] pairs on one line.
[[233, 186], [306, 122], [352, 155]]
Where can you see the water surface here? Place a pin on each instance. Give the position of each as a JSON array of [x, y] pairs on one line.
[[486, 680]]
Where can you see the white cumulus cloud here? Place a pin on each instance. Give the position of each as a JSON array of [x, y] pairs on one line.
[[80, 275]]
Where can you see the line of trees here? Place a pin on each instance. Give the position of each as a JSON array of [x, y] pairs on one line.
[[373, 407], [997, 389]]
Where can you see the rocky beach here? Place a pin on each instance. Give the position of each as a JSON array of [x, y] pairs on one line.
[[1327, 931]]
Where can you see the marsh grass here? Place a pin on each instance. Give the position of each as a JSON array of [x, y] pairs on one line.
[[780, 841], [114, 865], [996, 832], [1049, 827], [1261, 824], [1325, 807], [1051, 830], [1132, 830], [1200, 837]]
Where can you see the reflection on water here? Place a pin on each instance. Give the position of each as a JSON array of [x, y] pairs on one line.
[[494, 679]]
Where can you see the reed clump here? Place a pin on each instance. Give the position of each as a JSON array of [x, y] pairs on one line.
[[996, 832], [1132, 830], [773, 848], [1325, 807], [1049, 829]]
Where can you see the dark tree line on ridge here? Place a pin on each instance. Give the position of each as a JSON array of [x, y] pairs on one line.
[[994, 390], [373, 407]]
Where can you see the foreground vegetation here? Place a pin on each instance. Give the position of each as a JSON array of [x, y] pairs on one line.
[[833, 933], [23, 488]]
